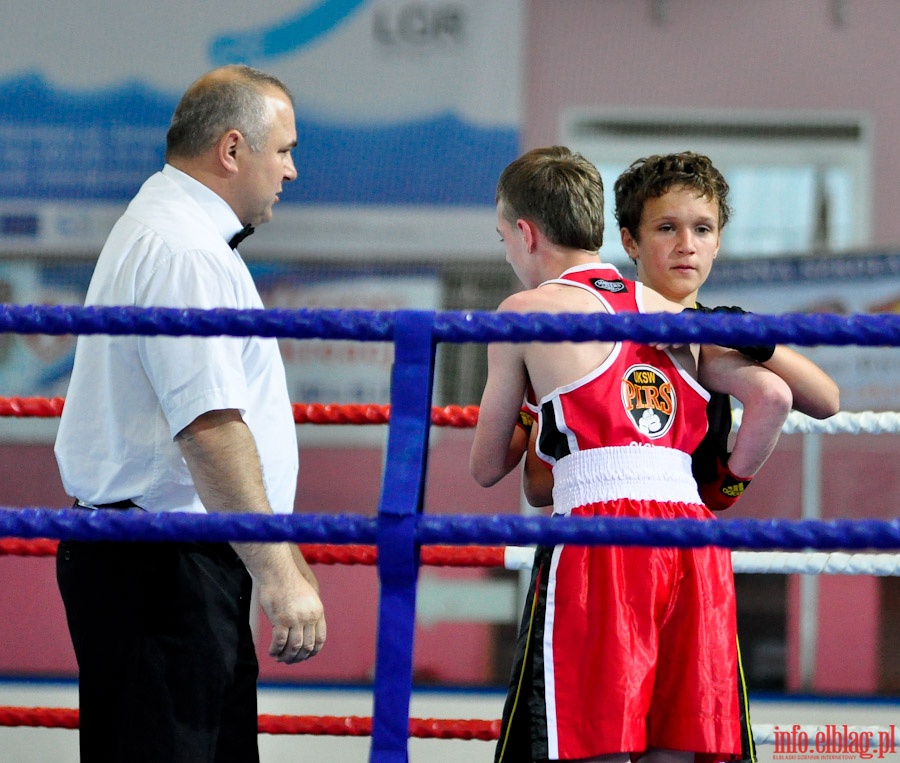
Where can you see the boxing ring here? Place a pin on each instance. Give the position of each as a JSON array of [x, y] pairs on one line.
[[401, 537]]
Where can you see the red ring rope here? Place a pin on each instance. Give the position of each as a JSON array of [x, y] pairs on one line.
[[304, 413], [316, 553], [315, 725]]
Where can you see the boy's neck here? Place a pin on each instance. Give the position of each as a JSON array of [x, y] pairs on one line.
[[570, 258]]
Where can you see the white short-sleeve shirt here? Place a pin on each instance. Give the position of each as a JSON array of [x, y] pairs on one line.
[[129, 396]]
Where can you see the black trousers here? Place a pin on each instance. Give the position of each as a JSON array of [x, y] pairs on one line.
[[166, 661]]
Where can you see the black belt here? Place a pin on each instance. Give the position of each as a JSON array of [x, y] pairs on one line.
[[127, 504]]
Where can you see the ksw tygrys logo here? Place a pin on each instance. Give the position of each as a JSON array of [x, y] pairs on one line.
[[649, 399]]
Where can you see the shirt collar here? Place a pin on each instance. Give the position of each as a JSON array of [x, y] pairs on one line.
[[222, 215]]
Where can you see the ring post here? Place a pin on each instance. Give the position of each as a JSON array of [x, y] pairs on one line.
[[402, 494]]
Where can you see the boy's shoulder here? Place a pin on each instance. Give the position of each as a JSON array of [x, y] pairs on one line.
[[543, 299], [518, 300]]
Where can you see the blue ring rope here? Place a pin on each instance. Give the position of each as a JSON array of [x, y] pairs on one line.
[[458, 327], [757, 534]]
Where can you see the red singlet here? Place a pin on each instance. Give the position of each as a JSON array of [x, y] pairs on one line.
[[625, 649]]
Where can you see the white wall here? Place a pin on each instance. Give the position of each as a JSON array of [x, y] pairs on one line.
[[791, 55]]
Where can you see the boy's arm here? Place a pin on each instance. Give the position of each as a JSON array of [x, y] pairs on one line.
[[814, 392], [499, 444], [766, 399]]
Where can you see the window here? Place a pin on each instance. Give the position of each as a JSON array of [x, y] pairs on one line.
[[799, 182]]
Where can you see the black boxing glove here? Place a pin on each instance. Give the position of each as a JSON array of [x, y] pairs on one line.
[[758, 352]]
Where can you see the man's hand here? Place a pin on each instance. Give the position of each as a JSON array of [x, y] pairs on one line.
[[297, 617]]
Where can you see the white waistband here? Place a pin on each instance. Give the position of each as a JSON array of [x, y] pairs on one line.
[[605, 474]]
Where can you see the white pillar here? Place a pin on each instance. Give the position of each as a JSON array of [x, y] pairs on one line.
[[810, 508]]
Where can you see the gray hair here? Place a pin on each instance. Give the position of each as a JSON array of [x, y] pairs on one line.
[[229, 98]]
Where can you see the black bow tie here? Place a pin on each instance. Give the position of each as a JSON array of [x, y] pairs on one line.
[[240, 236]]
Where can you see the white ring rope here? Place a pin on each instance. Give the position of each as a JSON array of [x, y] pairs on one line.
[[771, 562], [843, 422], [799, 562]]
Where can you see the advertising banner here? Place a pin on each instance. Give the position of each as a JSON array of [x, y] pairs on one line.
[[318, 370], [407, 111], [851, 284]]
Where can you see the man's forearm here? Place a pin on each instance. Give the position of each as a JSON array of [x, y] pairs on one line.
[[304, 567], [221, 454]]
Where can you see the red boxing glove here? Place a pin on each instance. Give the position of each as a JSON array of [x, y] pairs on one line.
[[724, 489], [526, 419]]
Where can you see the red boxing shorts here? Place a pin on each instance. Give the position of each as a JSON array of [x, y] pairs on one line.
[[626, 649]]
